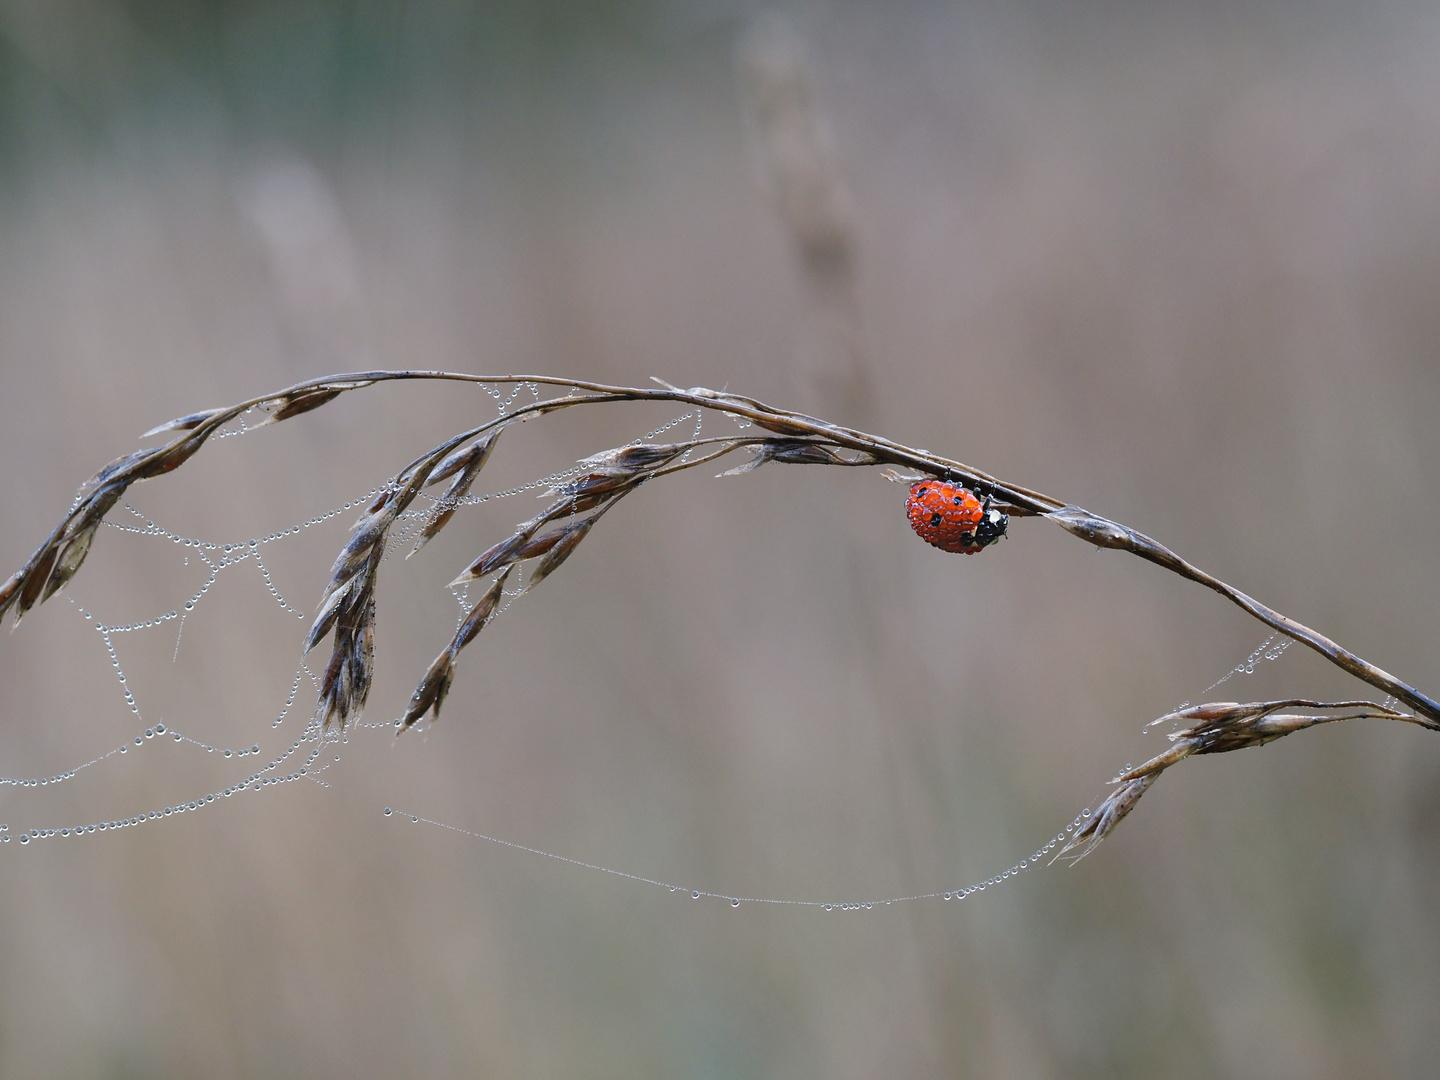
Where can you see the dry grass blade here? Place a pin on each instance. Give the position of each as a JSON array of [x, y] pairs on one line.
[[182, 423], [499, 555], [71, 556], [1219, 727], [430, 694], [348, 603], [346, 685], [1107, 815], [1111, 534], [465, 465], [295, 404], [639, 456], [35, 580], [10, 590], [798, 452], [565, 540]]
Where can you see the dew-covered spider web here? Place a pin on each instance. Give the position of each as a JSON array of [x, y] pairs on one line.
[[290, 743]]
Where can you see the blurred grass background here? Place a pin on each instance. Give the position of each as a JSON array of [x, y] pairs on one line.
[[1175, 263]]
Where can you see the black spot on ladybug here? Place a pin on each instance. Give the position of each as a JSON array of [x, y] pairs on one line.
[[935, 520]]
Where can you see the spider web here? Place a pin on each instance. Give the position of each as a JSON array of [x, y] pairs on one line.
[[267, 760]]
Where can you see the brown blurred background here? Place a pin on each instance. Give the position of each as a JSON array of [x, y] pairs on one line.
[[1176, 263]]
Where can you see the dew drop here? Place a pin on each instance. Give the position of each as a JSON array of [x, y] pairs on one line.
[[388, 811], [229, 752], [24, 839], [189, 605], [149, 733], [255, 749], [947, 896], [734, 902], [695, 895]]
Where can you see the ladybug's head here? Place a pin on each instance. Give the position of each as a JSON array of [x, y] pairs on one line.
[[992, 525]]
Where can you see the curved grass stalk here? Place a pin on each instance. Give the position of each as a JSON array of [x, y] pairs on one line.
[[347, 606]]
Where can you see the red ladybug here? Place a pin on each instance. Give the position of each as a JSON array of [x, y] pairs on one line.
[[952, 518]]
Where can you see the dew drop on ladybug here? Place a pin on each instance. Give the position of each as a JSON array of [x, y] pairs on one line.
[[951, 518]]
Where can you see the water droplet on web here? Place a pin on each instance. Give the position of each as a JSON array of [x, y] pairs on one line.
[[228, 753], [149, 733], [734, 902], [387, 811], [695, 895]]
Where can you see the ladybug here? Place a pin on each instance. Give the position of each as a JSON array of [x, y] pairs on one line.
[[951, 518]]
